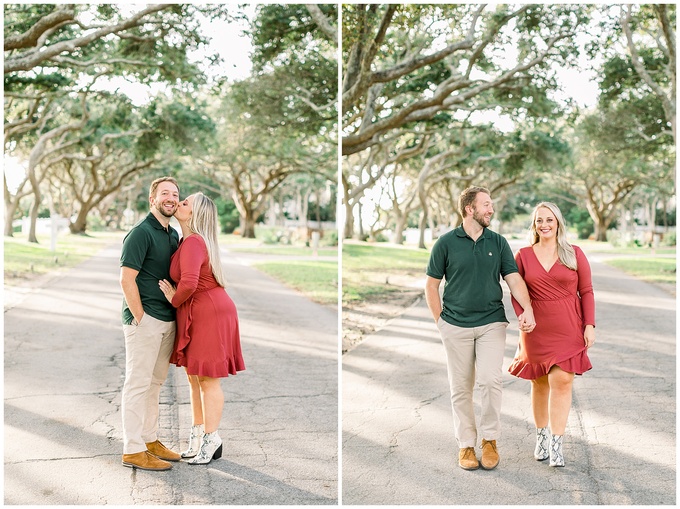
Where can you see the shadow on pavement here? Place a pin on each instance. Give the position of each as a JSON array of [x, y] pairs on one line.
[[398, 444]]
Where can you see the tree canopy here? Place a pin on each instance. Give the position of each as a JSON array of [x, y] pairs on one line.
[[438, 97], [85, 140], [407, 64]]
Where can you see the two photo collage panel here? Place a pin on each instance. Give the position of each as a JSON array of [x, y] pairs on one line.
[[367, 254]]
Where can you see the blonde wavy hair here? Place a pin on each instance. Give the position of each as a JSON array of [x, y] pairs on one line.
[[565, 251], [203, 222]]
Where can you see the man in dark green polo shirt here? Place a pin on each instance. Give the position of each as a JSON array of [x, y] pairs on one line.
[[149, 327], [472, 320]]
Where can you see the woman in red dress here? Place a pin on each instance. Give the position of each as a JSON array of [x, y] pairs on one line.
[[208, 342], [557, 275]]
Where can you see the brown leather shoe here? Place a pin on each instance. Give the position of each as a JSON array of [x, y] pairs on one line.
[[145, 461], [162, 452], [467, 459], [490, 458]]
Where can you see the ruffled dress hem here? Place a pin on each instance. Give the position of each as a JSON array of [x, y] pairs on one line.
[[578, 364], [209, 369]]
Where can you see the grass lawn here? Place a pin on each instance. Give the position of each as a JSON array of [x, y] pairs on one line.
[[230, 240], [286, 250], [317, 280], [642, 262], [23, 259], [590, 246], [367, 269], [657, 270]]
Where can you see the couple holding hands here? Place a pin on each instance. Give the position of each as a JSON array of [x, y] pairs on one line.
[[552, 294]]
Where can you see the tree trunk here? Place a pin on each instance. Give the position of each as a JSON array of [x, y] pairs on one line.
[[118, 218], [424, 214], [79, 226], [248, 225], [651, 221], [348, 231], [623, 225], [317, 210], [422, 226], [455, 218], [399, 227], [432, 224], [600, 233], [10, 209], [360, 234], [271, 212], [35, 209], [604, 212], [281, 211], [602, 223], [665, 214], [304, 205], [37, 155], [348, 227]]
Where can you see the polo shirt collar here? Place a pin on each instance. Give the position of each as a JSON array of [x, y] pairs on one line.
[[153, 220], [460, 232]]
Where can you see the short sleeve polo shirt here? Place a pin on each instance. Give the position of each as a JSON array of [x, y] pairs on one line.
[[473, 296], [148, 248]]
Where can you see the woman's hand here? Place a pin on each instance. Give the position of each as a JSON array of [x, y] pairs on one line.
[[526, 321], [167, 289], [589, 336]]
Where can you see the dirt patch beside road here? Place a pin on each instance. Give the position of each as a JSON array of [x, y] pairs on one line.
[[363, 318], [668, 287]]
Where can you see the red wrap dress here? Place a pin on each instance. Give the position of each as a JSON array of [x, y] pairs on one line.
[[563, 304], [208, 341]]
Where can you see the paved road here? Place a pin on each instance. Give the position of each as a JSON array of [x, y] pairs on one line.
[[398, 445], [64, 370]]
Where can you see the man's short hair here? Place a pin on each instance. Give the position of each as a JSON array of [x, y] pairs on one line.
[[154, 184], [468, 197]]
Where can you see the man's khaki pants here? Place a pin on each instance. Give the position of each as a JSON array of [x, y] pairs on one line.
[[474, 352], [148, 347]]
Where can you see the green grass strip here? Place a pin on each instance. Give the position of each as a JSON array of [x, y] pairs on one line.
[[366, 269], [360, 257], [24, 259], [658, 270], [317, 280], [286, 250]]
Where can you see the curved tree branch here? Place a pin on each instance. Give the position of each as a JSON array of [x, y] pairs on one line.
[[324, 24], [35, 58], [31, 37]]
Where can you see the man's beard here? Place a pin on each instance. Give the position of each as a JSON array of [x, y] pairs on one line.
[[159, 208], [481, 220]]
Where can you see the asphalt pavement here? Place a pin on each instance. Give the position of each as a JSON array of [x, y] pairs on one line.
[[398, 445], [63, 374], [64, 370]]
